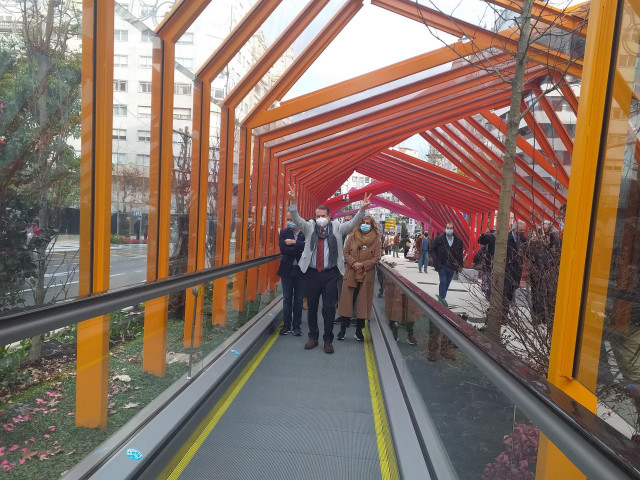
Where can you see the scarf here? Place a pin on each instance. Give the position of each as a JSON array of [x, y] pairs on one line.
[[332, 243], [364, 241]]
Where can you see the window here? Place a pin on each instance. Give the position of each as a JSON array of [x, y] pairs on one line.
[[144, 87], [121, 35], [186, 39], [182, 89], [146, 36], [119, 134], [119, 158], [144, 135], [119, 110], [120, 60], [182, 113], [119, 85], [218, 93], [185, 62], [143, 160], [145, 61], [144, 111]]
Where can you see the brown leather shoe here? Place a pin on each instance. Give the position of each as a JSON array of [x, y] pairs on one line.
[[312, 343], [304, 304], [328, 348]]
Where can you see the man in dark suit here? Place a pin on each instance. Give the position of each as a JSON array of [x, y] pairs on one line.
[[291, 247]]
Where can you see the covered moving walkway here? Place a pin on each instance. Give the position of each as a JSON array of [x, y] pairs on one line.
[[228, 399]]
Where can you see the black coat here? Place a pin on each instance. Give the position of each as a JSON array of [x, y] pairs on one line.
[[444, 255], [289, 252], [515, 254]]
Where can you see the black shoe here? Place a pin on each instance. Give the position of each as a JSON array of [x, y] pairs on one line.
[[341, 334], [358, 336], [297, 332], [284, 330]]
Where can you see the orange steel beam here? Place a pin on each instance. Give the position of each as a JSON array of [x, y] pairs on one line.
[[92, 365], [240, 35], [241, 220], [505, 40], [439, 91], [446, 147], [273, 53], [410, 116], [569, 96], [307, 57], [366, 81], [562, 19], [419, 185], [413, 122], [455, 74], [179, 18], [156, 310], [252, 275], [538, 195], [527, 148], [248, 82], [520, 162], [558, 126], [525, 203], [199, 183]]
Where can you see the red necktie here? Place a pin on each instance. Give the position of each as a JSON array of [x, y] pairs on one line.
[[320, 254]]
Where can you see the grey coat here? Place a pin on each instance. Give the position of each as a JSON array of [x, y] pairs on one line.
[[339, 231]]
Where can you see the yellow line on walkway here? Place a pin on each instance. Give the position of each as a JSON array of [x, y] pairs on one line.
[[222, 405], [386, 454]]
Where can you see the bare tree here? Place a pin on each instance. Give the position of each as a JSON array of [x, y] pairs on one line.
[[537, 37]]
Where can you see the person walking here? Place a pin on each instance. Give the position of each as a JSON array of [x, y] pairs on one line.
[[544, 255], [291, 242], [323, 260], [487, 239], [422, 251], [446, 252], [362, 252], [396, 245], [513, 272]]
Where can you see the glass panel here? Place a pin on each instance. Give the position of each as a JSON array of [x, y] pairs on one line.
[[39, 154], [131, 145], [481, 430], [37, 422], [609, 350]]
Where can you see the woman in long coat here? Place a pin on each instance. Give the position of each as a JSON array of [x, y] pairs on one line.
[[361, 254]]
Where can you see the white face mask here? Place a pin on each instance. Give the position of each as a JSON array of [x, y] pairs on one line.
[[322, 221]]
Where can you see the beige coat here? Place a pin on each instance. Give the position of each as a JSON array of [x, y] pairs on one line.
[[368, 258]]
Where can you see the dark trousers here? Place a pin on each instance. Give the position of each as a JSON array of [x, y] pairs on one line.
[[292, 295], [446, 275], [323, 283]]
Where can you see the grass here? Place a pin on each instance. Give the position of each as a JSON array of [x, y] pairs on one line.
[[38, 436]]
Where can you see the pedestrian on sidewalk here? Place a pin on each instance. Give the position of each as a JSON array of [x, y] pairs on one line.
[[422, 251], [396, 245], [446, 252], [323, 260], [362, 252], [291, 244]]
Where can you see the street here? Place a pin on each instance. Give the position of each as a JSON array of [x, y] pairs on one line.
[[128, 267]]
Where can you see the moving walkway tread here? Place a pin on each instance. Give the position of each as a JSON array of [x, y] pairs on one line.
[[301, 414]]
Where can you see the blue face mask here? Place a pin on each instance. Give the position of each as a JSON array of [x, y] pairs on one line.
[[448, 231], [291, 225], [364, 228]]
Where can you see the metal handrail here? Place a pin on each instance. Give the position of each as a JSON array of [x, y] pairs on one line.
[[595, 447], [31, 322]]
